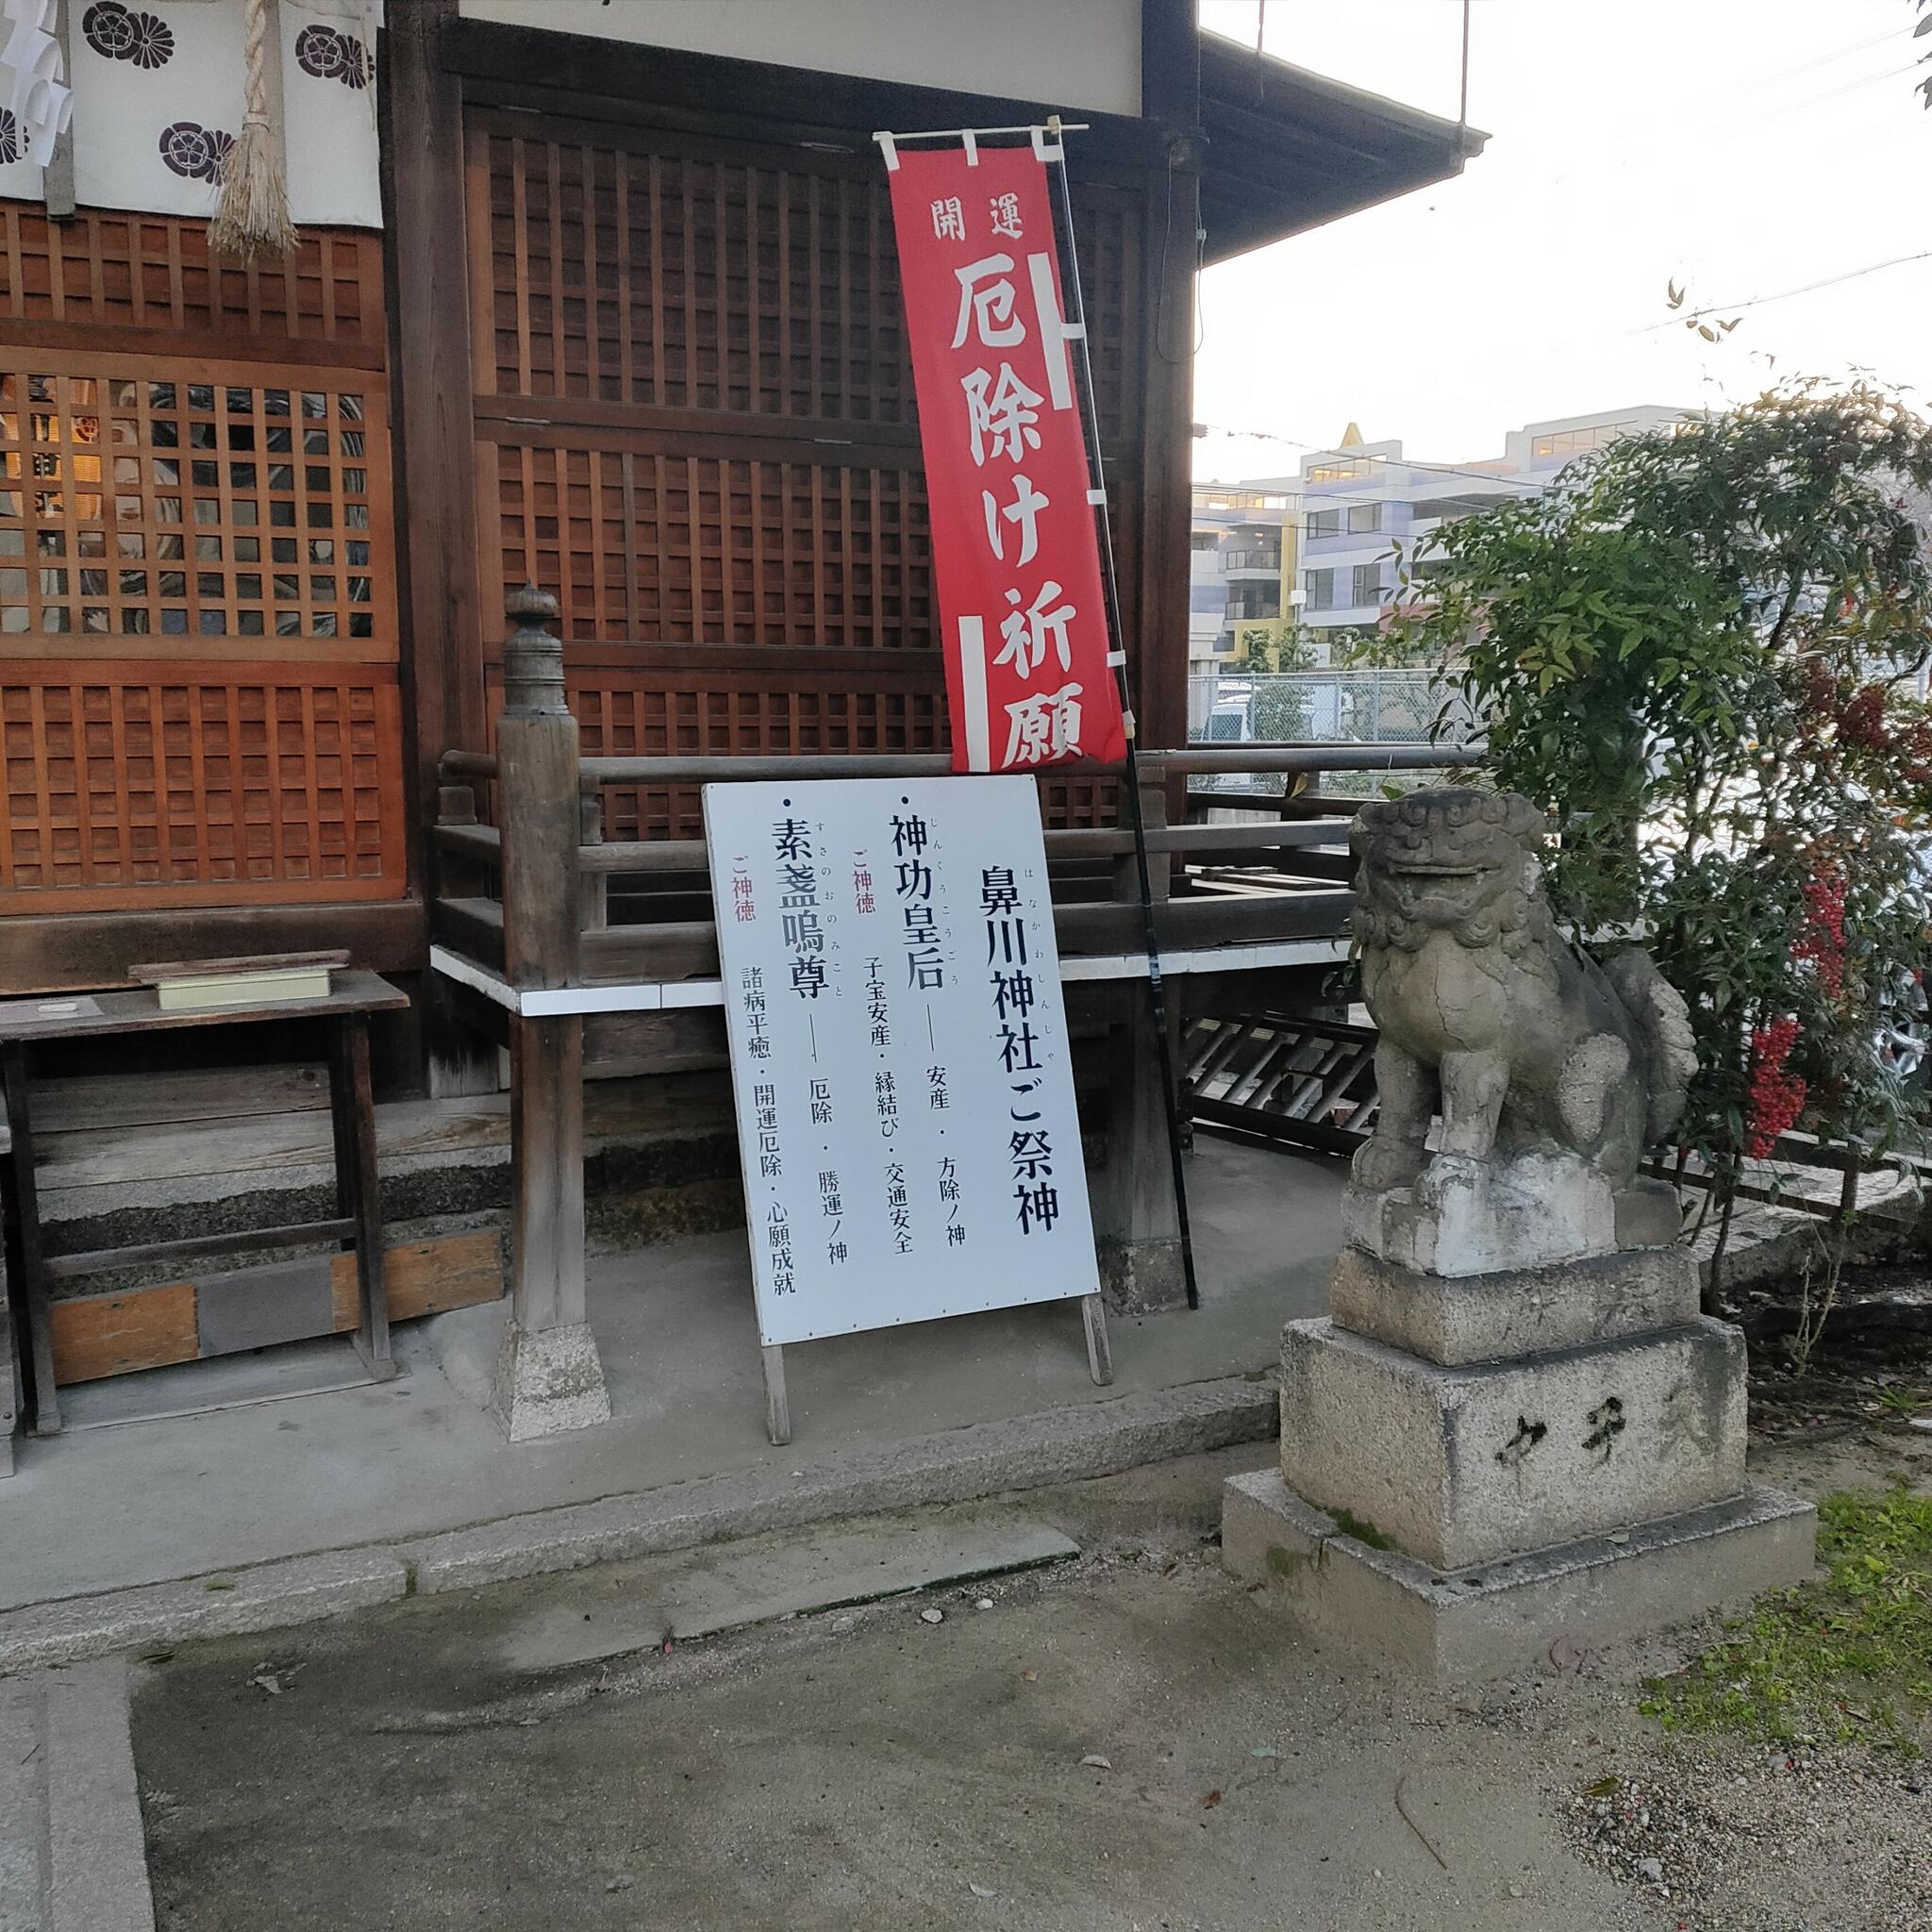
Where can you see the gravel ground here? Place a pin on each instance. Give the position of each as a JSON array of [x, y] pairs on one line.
[[1729, 1835], [873, 1767], [1763, 1841]]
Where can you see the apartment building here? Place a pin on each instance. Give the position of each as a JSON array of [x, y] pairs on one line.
[[1242, 570], [1358, 502]]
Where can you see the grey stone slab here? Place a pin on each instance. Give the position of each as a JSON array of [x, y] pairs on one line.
[[707, 1592], [548, 1382], [955, 1466], [1494, 1620], [822, 1572], [320, 1365], [262, 1598], [1142, 1277], [256, 1307], [1463, 1216], [1462, 1465], [1473, 1318], [23, 1804], [96, 1855]]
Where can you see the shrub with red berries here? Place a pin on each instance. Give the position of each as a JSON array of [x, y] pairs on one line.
[[1777, 1096], [1699, 653], [1821, 937]]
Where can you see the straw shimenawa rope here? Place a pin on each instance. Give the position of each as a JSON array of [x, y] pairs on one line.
[[252, 219]]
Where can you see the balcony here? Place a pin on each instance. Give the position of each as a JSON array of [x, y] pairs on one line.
[[1242, 566]]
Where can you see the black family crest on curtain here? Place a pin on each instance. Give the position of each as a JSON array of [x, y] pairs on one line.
[[121, 33], [328, 55], [196, 152]]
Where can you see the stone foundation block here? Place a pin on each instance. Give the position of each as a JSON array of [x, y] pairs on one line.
[[1492, 1620], [1144, 1277], [1474, 1318], [1455, 1466], [548, 1380], [1464, 1216]]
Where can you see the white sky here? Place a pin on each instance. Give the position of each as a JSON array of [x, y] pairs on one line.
[[1743, 147]]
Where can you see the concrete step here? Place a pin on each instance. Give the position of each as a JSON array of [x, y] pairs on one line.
[[952, 1465], [73, 1856], [23, 1804], [661, 1162], [704, 1593]]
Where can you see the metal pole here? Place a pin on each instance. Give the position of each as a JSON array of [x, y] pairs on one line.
[[1462, 106], [1090, 419]]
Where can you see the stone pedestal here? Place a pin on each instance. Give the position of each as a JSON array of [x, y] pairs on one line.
[[548, 1380], [1461, 1465], [1463, 1216], [1481, 1318], [1496, 1619], [1475, 1465], [1142, 1277]]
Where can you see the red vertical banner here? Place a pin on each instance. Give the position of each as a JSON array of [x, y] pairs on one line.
[[1016, 553]]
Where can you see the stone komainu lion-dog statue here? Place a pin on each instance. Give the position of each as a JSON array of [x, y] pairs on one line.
[[1525, 1046]]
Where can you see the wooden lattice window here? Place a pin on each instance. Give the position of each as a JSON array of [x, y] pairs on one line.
[[135, 782], [198, 643], [696, 428], [700, 549], [109, 270], [765, 285], [147, 504]]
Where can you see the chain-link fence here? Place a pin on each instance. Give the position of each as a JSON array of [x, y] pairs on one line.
[[1368, 706]]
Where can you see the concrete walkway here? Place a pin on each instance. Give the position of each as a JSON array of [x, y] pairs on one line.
[[1126, 1740], [106, 1507]]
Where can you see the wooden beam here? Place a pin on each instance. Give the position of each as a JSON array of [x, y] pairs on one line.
[[60, 952], [687, 949], [482, 844], [751, 100], [97, 1335], [546, 1234], [685, 1040], [240, 1241], [419, 107], [473, 927], [217, 343]]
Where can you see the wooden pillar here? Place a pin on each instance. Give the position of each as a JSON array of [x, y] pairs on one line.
[[1171, 99], [1135, 1223], [420, 103], [548, 1376]]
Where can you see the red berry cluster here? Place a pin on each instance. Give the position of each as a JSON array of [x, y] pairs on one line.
[[1821, 937], [1821, 690], [1862, 721], [1776, 1097]]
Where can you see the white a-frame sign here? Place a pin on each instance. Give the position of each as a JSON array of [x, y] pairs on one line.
[[899, 1055]]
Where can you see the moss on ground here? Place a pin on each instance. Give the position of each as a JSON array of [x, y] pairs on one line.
[[1847, 1657]]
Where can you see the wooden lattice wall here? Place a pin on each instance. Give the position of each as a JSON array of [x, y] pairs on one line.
[[696, 427], [198, 628]]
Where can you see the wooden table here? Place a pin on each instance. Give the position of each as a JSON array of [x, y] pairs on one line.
[[357, 1221]]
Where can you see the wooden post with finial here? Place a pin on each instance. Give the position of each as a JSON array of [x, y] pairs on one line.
[[548, 1376]]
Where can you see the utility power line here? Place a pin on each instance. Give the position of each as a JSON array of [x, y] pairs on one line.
[[1852, 275]]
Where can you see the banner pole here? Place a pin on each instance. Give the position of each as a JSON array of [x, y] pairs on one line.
[[1061, 197]]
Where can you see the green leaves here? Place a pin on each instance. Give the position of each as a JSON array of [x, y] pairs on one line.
[[1645, 643]]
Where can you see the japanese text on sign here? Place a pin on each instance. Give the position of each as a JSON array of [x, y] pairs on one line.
[[1015, 550], [899, 1051]]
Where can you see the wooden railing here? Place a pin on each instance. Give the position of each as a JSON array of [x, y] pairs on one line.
[[569, 949], [575, 909]]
